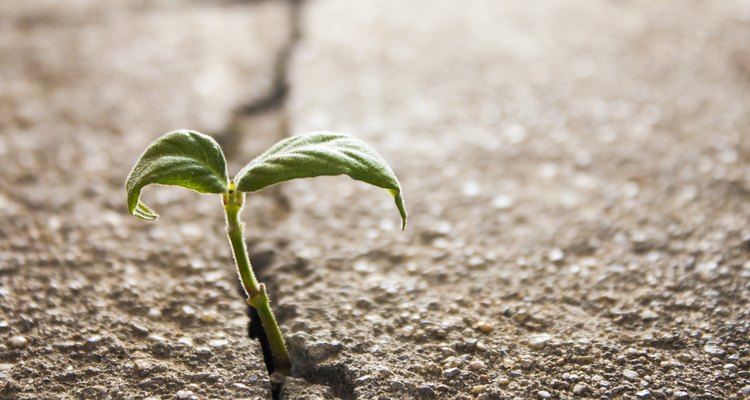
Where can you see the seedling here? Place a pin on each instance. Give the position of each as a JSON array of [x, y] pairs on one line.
[[195, 161]]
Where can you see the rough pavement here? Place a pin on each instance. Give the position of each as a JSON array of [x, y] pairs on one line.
[[576, 175]]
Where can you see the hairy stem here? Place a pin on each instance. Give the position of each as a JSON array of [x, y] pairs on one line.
[[257, 296]]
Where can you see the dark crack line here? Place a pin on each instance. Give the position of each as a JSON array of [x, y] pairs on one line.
[[333, 376], [275, 99], [277, 96]]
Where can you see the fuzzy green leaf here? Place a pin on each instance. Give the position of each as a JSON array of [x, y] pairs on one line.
[[180, 158], [319, 154]]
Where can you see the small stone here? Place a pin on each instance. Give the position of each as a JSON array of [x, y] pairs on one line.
[[471, 189], [139, 330], [503, 382], [209, 317], [477, 389], [477, 366], [643, 394], [426, 392], [682, 394], [184, 394], [580, 388], [4, 326], [188, 311], [556, 255], [713, 349], [453, 362], [746, 391], [92, 342], [543, 394], [218, 342], [502, 202], [241, 386], [539, 341], [364, 303], [484, 327], [630, 374], [397, 386], [730, 367], [451, 373], [363, 380], [649, 315], [18, 342], [142, 366], [558, 384]]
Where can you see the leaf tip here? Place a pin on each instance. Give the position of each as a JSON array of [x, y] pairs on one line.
[[399, 199], [143, 212]]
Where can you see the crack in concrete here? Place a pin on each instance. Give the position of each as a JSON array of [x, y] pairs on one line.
[[274, 99], [335, 376]]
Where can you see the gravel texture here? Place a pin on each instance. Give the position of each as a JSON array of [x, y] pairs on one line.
[[577, 175]]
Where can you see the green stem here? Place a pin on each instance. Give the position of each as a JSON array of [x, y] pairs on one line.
[[257, 296]]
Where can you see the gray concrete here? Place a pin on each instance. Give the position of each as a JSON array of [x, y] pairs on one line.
[[576, 174]]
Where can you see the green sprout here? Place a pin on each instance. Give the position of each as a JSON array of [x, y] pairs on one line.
[[195, 161]]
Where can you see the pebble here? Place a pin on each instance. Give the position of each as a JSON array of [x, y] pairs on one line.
[[188, 311], [426, 392], [364, 303], [139, 330], [453, 362], [746, 391], [543, 394], [384, 372], [477, 366], [649, 315], [4, 326], [471, 189], [184, 394], [209, 317], [539, 341], [218, 342], [451, 373], [682, 395], [713, 349], [643, 394], [580, 388], [397, 386], [18, 342], [556, 255], [630, 374], [94, 340], [502, 202], [485, 327]]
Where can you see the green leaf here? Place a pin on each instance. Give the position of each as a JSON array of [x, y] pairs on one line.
[[180, 158], [318, 154]]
